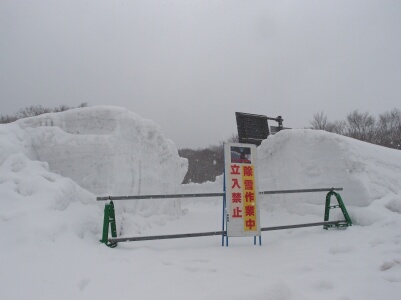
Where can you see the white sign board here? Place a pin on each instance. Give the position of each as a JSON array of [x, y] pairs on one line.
[[242, 207]]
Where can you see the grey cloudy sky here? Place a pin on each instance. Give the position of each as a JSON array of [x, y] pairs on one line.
[[189, 65]]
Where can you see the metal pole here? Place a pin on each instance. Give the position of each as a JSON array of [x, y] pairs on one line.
[[302, 225], [224, 209], [300, 191], [204, 195], [164, 237], [140, 197], [200, 234]]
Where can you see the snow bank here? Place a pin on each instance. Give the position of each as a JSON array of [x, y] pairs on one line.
[[106, 150], [308, 159], [296, 159], [38, 205], [53, 166], [303, 159]]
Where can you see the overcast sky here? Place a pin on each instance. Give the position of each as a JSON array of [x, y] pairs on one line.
[[190, 65]]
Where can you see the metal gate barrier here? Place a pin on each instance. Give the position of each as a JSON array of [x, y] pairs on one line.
[[109, 221]]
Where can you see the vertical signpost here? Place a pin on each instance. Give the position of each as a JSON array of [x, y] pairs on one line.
[[241, 189]]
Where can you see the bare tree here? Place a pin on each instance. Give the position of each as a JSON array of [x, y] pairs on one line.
[[339, 127], [32, 111], [61, 108], [35, 110], [361, 126], [7, 119], [319, 121], [205, 164], [388, 132]]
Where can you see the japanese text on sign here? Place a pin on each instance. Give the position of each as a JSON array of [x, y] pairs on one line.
[[241, 190]]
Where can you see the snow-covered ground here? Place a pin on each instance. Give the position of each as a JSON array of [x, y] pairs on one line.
[[52, 167]]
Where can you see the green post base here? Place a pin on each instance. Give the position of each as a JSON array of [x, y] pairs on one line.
[[340, 205], [109, 219]]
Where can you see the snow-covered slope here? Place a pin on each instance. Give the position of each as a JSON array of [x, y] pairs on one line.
[[52, 166], [296, 159], [106, 150], [309, 159]]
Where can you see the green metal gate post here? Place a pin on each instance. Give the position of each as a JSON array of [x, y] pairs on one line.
[[109, 220], [341, 205]]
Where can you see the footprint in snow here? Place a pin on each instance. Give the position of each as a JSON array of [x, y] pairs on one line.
[[83, 284], [389, 264], [392, 270]]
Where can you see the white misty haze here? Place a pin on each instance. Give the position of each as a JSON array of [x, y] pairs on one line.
[[189, 65]]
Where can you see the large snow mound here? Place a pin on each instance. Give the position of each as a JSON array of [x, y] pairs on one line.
[[296, 159], [304, 159], [53, 166], [37, 204], [310, 159], [106, 150]]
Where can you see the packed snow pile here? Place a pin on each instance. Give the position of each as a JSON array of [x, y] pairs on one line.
[[311, 159], [296, 159], [106, 150], [307, 159], [53, 166], [37, 204]]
